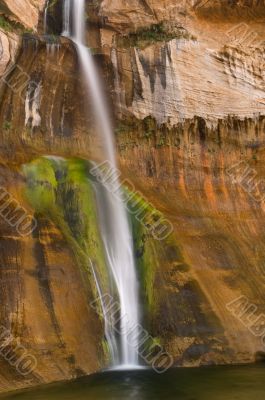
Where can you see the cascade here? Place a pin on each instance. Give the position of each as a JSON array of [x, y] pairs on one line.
[[113, 220]]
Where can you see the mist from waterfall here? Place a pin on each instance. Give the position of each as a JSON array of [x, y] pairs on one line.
[[114, 225]]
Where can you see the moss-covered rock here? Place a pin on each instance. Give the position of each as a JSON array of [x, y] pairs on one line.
[[61, 190]]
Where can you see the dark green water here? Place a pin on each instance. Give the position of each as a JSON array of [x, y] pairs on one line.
[[211, 383]]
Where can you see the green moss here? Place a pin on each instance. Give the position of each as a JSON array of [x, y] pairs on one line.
[[5, 24], [122, 127], [53, 3], [145, 247], [152, 34], [41, 185], [151, 253], [60, 190], [161, 142], [7, 125], [12, 26], [106, 351]]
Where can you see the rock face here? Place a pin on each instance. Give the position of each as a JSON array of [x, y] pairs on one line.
[[9, 44], [43, 321], [26, 12], [130, 15], [48, 322], [187, 83], [183, 79], [197, 103], [15, 16], [218, 71]]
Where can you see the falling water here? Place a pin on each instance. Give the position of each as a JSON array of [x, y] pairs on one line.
[[114, 224], [66, 18], [46, 16], [109, 331]]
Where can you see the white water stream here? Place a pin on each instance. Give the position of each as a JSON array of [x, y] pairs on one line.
[[113, 219]]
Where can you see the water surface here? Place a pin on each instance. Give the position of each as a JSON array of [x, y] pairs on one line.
[[209, 383]]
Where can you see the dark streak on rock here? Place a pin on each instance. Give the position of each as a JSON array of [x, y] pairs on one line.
[[44, 281]]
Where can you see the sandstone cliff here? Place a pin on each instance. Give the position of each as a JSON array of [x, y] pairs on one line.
[[190, 108], [24, 12], [9, 44], [16, 16], [187, 83]]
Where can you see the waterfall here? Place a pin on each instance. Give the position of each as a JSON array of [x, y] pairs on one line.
[[109, 331], [66, 18], [45, 17], [114, 225]]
